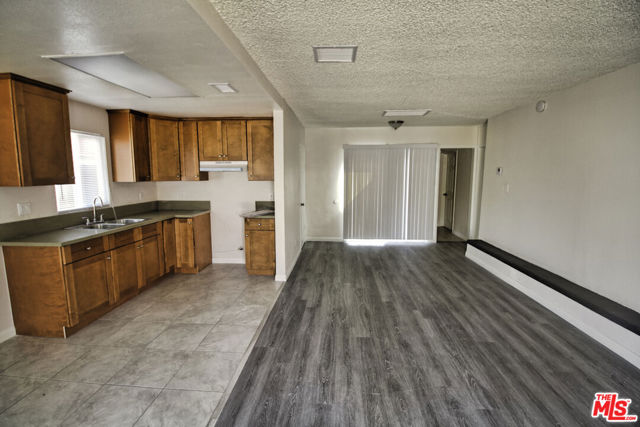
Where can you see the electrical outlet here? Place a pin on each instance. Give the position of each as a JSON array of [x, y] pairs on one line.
[[24, 208], [140, 194], [271, 196]]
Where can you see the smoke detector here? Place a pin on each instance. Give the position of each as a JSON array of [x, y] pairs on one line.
[[395, 124]]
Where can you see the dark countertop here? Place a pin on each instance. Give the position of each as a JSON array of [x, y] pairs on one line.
[[259, 214], [64, 237]]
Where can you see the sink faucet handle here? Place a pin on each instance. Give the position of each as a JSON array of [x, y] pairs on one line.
[[101, 217], [86, 220]]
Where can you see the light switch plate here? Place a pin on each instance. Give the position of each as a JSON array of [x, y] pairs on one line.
[[24, 208]]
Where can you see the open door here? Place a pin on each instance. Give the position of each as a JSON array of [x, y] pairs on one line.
[[447, 188]]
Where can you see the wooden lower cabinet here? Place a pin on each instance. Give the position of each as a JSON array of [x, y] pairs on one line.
[[193, 243], [89, 285], [125, 265], [152, 259], [169, 241], [55, 291], [260, 246]]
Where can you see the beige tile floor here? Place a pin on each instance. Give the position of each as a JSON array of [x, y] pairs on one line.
[[169, 356]]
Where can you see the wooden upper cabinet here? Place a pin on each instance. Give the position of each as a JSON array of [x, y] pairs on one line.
[[164, 144], [234, 137], [189, 156], [35, 138], [129, 135], [260, 149], [210, 140]]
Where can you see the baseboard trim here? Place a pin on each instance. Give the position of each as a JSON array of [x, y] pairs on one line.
[[613, 336], [228, 261], [7, 333], [325, 239]]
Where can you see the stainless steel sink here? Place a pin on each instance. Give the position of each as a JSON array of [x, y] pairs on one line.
[[108, 225], [126, 221]]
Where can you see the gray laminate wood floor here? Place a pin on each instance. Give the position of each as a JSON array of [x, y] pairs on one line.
[[417, 335]]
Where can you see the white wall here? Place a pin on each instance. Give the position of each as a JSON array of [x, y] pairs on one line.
[[289, 140], [230, 194], [325, 157], [573, 173], [82, 117], [464, 186]]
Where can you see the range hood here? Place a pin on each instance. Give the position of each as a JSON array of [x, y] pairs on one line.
[[223, 166]]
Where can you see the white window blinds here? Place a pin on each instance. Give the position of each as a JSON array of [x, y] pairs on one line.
[[390, 191], [90, 170]]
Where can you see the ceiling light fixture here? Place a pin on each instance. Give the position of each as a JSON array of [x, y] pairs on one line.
[[119, 69], [335, 53], [223, 87], [405, 113]]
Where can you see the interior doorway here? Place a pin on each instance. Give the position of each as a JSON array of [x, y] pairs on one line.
[[454, 196]]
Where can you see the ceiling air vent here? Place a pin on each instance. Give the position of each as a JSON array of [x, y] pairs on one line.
[[335, 53]]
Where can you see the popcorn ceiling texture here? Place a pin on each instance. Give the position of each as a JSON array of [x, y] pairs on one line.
[[466, 60]]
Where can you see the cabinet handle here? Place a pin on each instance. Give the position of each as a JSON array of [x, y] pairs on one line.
[[246, 235], [259, 225], [177, 176], [108, 257], [88, 248], [140, 247]]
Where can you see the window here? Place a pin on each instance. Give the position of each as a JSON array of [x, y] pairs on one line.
[[390, 192], [90, 170]]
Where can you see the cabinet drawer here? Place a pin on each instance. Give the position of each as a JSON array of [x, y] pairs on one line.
[[260, 224], [121, 239], [151, 230], [83, 250]]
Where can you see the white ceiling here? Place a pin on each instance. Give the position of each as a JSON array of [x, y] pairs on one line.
[[465, 60], [166, 36]]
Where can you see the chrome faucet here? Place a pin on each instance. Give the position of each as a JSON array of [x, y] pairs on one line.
[[95, 219]]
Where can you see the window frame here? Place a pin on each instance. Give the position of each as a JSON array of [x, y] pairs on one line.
[[105, 156]]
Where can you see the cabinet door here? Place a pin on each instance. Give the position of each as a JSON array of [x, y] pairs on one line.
[[185, 247], [234, 133], [260, 248], [90, 285], [210, 140], [169, 240], [43, 134], [125, 263], [152, 258], [164, 146], [260, 149], [189, 156], [140, 138]]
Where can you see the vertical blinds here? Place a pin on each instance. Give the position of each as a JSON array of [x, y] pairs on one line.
[[90, 170], [390, 191]]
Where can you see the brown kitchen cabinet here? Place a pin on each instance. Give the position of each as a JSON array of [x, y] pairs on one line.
[[35, 138], [193, 243], [169, 242], [89, 286], [55, 290], [126, 262], [129, 136], [210, 140], [260, 150], [189, 153], [164, 148], [260, 246], [222, 140]]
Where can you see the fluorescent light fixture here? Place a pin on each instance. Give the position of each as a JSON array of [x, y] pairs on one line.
[[119, 69], [223, 87], [405, 113], [335, 53]]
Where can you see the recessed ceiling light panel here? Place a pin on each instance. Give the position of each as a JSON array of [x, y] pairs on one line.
[[335, 53], [119, 69], [223, 87], [405, 113]]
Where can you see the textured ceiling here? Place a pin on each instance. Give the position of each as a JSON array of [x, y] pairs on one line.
[[167, 36], [466, 60]]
